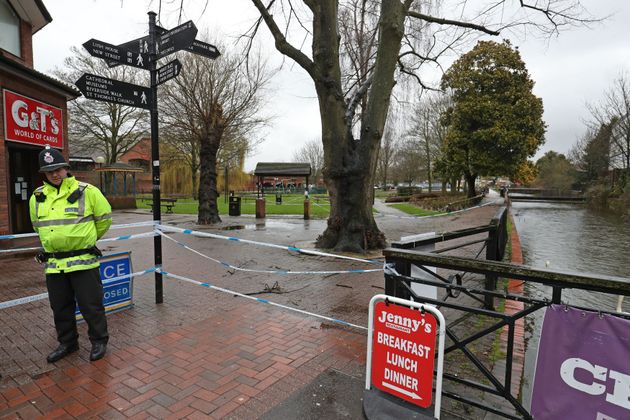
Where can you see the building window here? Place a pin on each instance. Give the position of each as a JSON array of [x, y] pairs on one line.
[[140, 163], [9, 29]]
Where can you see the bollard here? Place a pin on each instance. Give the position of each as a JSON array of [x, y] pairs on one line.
[[260, 208], [307, 209]]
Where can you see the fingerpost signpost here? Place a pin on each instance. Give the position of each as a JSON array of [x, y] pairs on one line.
[[144, 53]]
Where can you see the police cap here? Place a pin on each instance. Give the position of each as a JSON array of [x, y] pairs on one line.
[[51, 160]]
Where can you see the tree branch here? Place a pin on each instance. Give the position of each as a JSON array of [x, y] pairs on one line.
[[442, 21], [282, 44], [354, 100]]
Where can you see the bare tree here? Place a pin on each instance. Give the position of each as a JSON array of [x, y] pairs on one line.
[[615, 110], [214, 104], [387, 155], [427, 130], [591, 154], [102, 127], [410, 163], [313, 153]]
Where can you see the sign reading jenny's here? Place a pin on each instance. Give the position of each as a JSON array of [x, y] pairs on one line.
[[403, 352], [27, 120]]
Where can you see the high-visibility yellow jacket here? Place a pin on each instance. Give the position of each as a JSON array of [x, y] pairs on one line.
[[65, 226]]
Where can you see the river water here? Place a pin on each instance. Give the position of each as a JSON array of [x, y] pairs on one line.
[[569, 237]]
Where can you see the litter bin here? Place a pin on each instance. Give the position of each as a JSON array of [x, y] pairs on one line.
[[235, 206], [278, 198]]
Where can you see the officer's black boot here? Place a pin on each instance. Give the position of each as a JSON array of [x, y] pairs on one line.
[[62, 351], [98, 351]]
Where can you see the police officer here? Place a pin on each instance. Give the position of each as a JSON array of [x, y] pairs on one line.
[[69, 217]]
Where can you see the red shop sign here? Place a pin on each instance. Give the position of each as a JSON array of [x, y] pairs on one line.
[[27, 120], [403, 348]]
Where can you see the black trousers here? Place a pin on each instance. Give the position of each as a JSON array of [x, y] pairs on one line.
[[85, 286]]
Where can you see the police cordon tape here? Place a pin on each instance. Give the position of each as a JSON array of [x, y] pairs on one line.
[[41, 296], [118, 238], [113, 227], [265, 244], [231, 292], [249, 270]]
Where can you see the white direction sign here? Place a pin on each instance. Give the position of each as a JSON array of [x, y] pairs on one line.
[[176, 39], [113, 53], [168, 71], [109, 90]]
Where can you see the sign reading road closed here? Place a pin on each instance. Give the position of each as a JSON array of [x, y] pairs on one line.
[[403, 352], [115, 272]]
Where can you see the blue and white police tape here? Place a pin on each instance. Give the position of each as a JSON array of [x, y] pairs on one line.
[[41, 296], [231, 292], [133, 225], [22, 301], [6, 251], [281, 272], [113, 227], [118, 238], [247, 241], [128, 237]]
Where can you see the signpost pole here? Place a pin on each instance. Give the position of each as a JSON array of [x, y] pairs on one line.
[[155, 158]]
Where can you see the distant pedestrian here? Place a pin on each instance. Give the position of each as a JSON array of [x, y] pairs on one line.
[[69, 216]]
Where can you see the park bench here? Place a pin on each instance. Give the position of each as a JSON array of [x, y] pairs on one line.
[[169, 203]]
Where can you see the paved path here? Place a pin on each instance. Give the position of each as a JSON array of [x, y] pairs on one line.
[[387, 210], [201, 353]]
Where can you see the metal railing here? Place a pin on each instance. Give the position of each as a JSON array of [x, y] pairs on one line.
[[494, 244], [400, 286]]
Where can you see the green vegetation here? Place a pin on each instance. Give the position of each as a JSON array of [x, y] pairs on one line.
[[413, 210], [292, 204], [496, 122], [383, 194]]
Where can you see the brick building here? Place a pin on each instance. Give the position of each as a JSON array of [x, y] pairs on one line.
[[33, 111]]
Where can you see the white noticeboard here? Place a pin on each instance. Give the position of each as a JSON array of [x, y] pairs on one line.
[[417, 272]]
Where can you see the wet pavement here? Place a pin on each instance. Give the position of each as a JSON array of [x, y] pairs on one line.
[[203, 353]]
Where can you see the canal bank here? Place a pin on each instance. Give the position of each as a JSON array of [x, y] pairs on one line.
[[515, 287]]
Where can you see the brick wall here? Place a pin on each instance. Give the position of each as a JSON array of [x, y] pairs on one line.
[[26, 41], [23, 87]]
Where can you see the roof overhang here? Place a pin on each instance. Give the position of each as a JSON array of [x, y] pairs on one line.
[[38, 78], [282, 169], [32, 11]]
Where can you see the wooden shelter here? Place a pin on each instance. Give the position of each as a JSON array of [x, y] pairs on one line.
[[280, 170], [122, 169]]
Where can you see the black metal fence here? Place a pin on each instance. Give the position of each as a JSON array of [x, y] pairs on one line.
[[484, 298], [494, 243]]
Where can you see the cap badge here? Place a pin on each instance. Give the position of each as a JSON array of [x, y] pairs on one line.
[[48, 158]]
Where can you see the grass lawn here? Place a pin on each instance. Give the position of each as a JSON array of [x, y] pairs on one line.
[[413, 210], [378, 193], [291, 204]]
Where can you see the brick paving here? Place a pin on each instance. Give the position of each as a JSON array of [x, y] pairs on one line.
[[201, 354]]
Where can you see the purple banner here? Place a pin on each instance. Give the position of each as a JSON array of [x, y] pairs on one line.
[[583, 367]]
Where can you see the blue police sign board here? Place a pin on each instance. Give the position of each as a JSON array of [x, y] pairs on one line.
[[117, 291]]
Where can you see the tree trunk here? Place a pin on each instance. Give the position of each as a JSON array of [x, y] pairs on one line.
[[470, 184], [208, 210], [210, 142], [195, 190], [351, 225]]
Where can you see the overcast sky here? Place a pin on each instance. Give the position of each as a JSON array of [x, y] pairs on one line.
[[569, 70]]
